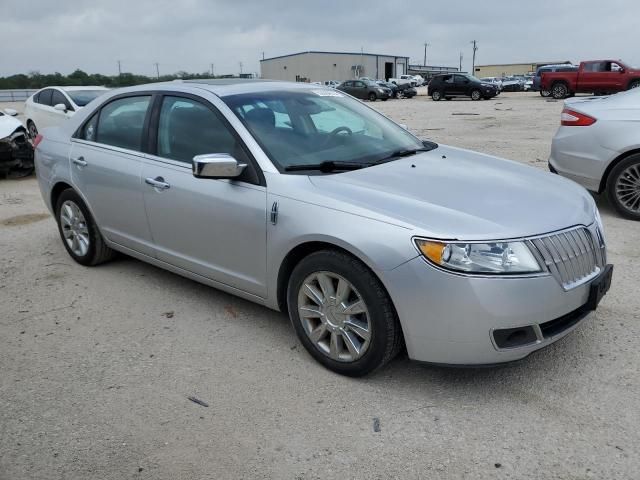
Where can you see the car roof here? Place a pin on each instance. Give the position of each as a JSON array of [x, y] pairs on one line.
[[224, 87], [79, 88]]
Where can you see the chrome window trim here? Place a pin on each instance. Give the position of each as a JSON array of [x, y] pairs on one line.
[[105, 146]]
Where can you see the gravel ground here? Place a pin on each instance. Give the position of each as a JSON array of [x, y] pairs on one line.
[[96, 364]]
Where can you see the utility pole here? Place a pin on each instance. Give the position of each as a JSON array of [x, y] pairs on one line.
[[212, 70], [157, 70], [262, 55], [240, 68], [460, 69], [425, 53], [119, 69], [473, 63]]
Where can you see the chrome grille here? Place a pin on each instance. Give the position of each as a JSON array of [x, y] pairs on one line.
[[573, 256]]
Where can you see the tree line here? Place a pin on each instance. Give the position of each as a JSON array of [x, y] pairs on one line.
[[36, 80]]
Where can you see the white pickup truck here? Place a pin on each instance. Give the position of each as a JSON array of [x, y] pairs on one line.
[[411, 80]]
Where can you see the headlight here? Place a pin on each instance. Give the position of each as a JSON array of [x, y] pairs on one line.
[[380, 90], [483, 258]]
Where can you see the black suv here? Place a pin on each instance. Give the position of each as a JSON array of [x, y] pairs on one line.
[[460, 85]]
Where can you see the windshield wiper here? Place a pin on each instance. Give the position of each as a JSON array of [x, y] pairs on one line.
[[327, 166], [407, 152]]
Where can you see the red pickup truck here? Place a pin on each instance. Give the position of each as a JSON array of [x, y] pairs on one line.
[[595, 76]]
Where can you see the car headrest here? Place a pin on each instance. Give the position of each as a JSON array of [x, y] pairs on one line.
[[261, 117]]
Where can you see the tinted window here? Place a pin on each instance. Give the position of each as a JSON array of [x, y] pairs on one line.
[[88, 132], [44, 97], [187, 128], [121, 122], [58, 97]]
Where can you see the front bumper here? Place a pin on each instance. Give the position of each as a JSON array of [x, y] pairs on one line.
[[451, 319]]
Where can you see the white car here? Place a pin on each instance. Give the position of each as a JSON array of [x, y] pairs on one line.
[[52, 105], [598, 146], [16, 152]]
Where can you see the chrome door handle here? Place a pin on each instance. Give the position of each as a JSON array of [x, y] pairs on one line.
[[157, 182], [80, 161]]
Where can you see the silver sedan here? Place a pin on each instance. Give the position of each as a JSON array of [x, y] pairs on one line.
[[307, 201], [598, 146]]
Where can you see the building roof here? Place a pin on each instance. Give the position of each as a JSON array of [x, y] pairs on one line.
[[334, 53], [523, 63]]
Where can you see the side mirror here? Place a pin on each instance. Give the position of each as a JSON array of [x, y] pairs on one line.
[[60, 107], [11, 112], [621, 70], [217, 165]]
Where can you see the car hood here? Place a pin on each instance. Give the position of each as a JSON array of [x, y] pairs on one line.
[[451, 193], [8, 125]]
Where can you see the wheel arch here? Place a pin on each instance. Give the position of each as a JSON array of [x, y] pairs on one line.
[[302, 250], [632, 81], [57, 190], [611, 166]]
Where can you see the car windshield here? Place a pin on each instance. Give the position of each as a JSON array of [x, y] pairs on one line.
[[82, 97], [308, 127]]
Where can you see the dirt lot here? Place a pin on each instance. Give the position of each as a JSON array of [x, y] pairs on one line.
[[96, 364]]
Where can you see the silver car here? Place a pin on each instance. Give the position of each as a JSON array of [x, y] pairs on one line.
[[307, 201], [598, 146]]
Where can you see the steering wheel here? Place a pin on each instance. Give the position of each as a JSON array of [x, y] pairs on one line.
[[335, 132]]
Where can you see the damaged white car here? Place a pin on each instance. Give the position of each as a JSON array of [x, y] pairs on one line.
[[16, 151]]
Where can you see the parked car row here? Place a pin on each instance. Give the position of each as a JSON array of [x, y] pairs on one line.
[[370, 239]]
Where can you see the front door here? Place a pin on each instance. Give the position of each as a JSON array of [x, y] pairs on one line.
[[214, 228], [359, 90], [106, 163]]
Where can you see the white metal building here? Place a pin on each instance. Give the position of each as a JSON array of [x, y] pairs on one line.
[[316, 66]]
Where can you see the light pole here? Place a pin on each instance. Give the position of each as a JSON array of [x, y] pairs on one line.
[[460, 69], [473, 63], [425, 53]]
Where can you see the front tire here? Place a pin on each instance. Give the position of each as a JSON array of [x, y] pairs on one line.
[[634, 84], [342, 314], [545, 93], [623, 187], [372, 97], [79, 232], [476, 95], [436, 96]]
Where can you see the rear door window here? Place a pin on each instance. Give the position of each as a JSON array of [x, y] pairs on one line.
[[121, 122], [44, 98]]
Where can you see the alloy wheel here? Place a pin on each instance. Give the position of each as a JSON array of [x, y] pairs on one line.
[[74, 228], [628, 188], [334, 316]]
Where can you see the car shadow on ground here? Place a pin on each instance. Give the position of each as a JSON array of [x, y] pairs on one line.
[[544, 366]]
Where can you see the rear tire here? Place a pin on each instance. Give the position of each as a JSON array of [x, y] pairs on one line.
[[559, 91], [374, 316], [623, 187], [79, 232], [476, 95]]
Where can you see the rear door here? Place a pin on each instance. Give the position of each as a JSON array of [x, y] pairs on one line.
[[106, 165], [42, 114], [215, 228]]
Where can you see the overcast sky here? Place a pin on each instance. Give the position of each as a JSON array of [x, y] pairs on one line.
[[62, 35]]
